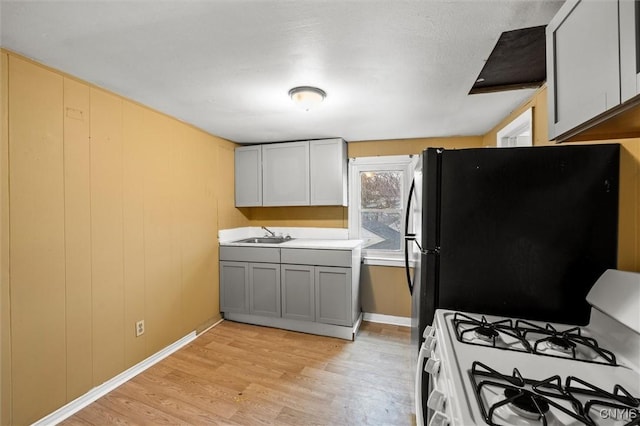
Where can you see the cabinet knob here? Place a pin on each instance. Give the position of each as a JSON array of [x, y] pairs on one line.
[[432, 366], [436, 401], [429, 345], [439, 419], [428, 331]]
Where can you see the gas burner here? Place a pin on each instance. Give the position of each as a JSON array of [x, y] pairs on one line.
[[485, 333], [561, 344], [499, 334], [526, 404]]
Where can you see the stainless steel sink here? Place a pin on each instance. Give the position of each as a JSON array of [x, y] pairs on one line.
[[264, 240]]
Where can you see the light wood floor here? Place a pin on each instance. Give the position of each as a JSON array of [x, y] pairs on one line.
[[238, 374]]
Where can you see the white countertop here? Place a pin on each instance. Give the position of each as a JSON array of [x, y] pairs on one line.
[[310, 238], [303, 243]]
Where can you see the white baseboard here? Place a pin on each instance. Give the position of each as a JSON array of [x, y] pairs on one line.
[[99, 391], [387, 319]]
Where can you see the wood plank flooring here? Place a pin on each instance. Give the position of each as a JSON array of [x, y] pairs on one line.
[[239, 374]]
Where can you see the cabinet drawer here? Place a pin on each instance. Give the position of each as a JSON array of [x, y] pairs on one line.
[[317, 257], [250, 254]]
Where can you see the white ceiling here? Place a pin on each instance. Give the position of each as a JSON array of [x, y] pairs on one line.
[[392, 69]]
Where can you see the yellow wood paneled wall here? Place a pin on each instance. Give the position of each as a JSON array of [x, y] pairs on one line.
[[110, 213], [5, 306], [629, 206], [410, 146], [37, 233], [77, 183]]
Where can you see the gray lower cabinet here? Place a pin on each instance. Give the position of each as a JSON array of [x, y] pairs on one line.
[[264, 289], [298, 293], [309, 290], [333, 295], [250, 288], [234, 286]]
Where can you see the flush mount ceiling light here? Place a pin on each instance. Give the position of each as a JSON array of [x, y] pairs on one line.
[[307, 97]]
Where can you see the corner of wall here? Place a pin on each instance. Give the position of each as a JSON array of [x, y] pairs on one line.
[[538, 102], [5, 306]]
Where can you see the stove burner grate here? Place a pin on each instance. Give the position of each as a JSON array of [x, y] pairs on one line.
[[489, 332], [564, 342], [536, 400], [503, 334]]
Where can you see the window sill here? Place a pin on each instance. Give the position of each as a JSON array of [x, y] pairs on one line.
[[385, 261]]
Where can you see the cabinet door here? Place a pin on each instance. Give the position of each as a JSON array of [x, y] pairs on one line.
[[264, 289], [333, 295], [297, 292], [583, 72], [248, 176], [285, 174], [234, 286], [629, 49], [328, 165]]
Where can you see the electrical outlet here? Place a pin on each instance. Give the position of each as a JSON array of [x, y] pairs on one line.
[[139, 328]]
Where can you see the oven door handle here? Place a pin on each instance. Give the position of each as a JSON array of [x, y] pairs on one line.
[[422, 356]]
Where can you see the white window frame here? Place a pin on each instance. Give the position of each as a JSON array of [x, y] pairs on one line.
[[403, 163], [508, 136]]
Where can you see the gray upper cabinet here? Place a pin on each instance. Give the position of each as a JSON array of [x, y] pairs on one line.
[[300, 173], [583, 70], [328, 164], [248, 176], [285, 174], [629, 49]]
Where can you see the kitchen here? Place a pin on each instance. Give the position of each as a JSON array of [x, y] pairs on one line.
[[176, 210]]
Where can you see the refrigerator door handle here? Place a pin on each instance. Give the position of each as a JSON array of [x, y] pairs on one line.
[[406, 265], [407, 213], [408, 237], [435, 250]]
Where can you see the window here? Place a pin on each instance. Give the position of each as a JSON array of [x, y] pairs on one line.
[[379, 188], [517, 133]]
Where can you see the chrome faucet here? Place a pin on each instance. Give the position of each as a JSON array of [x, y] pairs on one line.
[[273, 234]]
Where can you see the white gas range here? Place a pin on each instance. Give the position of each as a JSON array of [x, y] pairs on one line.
[[504, 371]]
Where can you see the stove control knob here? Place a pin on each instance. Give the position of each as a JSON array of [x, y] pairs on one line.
[[429, 344], [439, 419], [436, 401], [432, 366], [428, 331]]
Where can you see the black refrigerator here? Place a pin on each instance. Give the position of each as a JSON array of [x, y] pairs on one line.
[[518, 232]]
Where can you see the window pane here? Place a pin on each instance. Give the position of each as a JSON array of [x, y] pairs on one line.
[[381, 190], [381, 230]]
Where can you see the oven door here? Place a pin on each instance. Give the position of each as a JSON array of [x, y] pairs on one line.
[[431, 387], [422, 384]]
